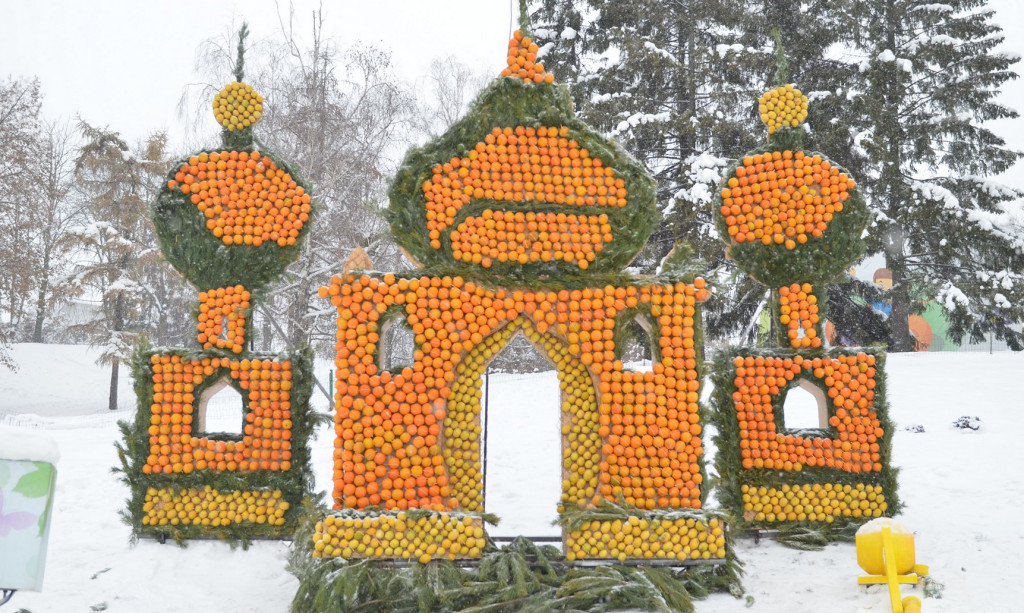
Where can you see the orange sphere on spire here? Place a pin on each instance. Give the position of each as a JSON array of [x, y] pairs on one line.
[[522, 61]]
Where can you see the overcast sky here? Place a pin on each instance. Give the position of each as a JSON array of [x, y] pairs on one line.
[[125, 63]]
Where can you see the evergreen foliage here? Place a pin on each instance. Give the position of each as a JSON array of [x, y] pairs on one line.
[[520, 576], [732, 475], [295, 484], [899, 91], [922, 97], [117, 183], [510, 102]]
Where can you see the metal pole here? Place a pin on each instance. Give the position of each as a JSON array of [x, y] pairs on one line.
[[6, 595], [487, 395]]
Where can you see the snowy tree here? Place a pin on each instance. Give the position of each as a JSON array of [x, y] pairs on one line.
[[117, 240], [20, 102], [925, 88], [57, 210], [676, 84]]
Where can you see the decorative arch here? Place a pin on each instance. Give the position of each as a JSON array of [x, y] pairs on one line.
[[462, 431]]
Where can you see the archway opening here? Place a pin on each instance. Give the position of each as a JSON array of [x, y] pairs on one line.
[[805, 407], [221, 410], [522, 442]]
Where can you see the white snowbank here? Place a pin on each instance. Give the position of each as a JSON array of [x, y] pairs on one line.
[[18, 444]]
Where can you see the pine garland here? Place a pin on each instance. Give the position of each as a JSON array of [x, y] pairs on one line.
[[732, 474], [520, 576], [295, 484]]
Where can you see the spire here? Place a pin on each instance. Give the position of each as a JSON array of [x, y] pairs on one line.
[[522, 60]]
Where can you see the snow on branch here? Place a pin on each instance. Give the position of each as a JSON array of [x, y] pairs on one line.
[[934, 8], [638, 119], [937, 193], [660, 52], [703, 173], [951, 297]]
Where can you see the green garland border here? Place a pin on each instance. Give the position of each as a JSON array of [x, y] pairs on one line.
[[295, 484], [732, 475], [818, 261], [508, 102], [204, 259]]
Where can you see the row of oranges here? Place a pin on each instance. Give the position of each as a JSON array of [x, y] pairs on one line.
[[783, 198], [798, 311], [526, 238], [650, 419], [520, 164], [222, 316], [399, 536], [210, 507], [849, 381], [812, 502], [245, 197], [176, 447], [639, 538]]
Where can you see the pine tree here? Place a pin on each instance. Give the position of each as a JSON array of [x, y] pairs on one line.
[[926, 87], [677, 84], [119, 239]]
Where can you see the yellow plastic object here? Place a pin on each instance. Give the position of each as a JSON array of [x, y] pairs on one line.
[[911, 604], [886, 550], [871, 555]]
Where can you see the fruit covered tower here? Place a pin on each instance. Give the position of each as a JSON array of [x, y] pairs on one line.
[[522, 219], [230, 220], [793, 220]]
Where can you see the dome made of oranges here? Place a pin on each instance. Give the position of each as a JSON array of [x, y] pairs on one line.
[[786, 215], [790, 216], [229, 217], [520, 187]]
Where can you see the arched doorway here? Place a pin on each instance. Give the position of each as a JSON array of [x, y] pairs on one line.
[[462, 433]]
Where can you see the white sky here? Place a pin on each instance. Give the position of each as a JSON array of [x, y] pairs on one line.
[[125, 63]]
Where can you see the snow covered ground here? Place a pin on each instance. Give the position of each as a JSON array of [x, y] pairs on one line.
[[962, 489]]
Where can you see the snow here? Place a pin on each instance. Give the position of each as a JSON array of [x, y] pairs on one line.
[[568, 33], [875, 526], [886, 56], [40, 386], [17, 444], [961, 495], [659, 51], [935, 8], [951, 297], [637, 119]]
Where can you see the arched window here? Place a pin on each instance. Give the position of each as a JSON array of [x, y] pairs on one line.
[[397, 343], [805, 407], [221, 410], [634, 341]]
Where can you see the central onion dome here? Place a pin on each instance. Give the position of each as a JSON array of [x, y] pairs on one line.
[[521, 188]]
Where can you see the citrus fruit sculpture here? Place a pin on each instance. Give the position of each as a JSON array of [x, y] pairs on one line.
[[230, 220], [793, 220], [522, 219]]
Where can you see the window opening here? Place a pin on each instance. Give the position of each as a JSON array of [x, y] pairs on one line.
[[805, 407], [221, 410]]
